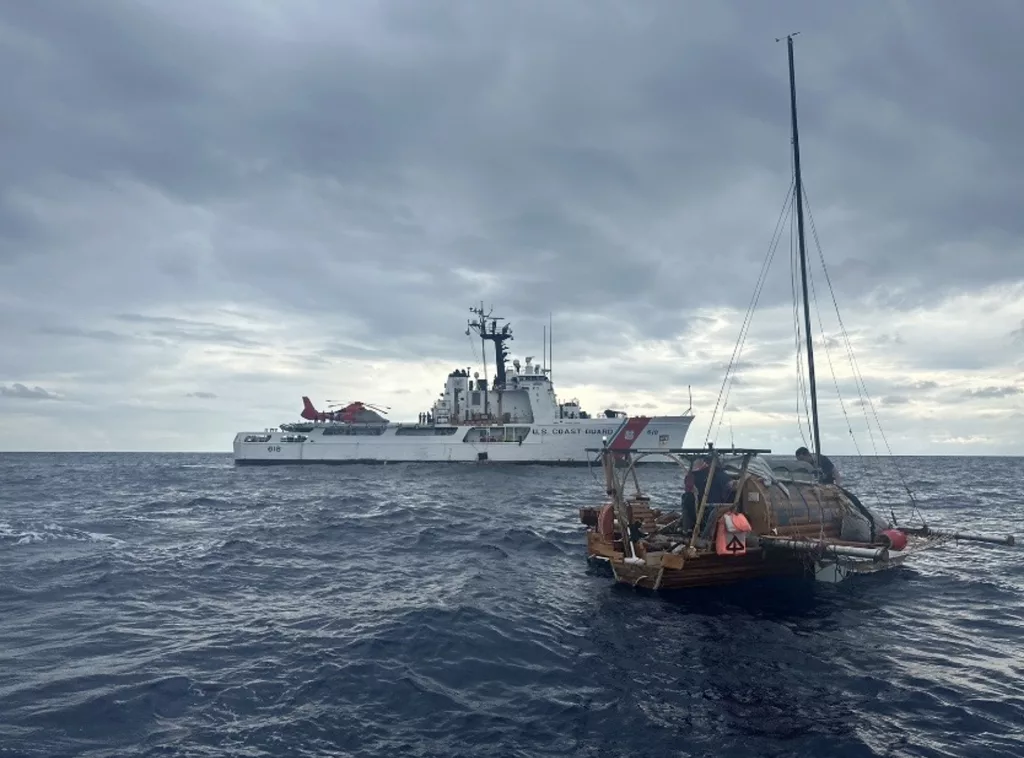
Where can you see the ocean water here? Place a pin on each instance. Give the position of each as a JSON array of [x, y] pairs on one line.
[[174, 605]]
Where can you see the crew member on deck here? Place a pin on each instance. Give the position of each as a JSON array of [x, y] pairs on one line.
[[720, 488], [721, 484], [829, 473]]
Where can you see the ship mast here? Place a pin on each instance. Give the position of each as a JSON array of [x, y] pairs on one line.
[[798, 182], [483, 356], [499, 337]]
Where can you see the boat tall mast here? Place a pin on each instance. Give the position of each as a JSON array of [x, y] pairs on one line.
[[798, 182]]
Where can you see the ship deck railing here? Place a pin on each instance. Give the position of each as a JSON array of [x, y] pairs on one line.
[[685, 452]]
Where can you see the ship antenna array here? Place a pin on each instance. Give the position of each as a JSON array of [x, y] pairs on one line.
[[547, 347], [551, 334]]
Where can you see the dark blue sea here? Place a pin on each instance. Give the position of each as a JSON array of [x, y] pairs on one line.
[[174, 605]]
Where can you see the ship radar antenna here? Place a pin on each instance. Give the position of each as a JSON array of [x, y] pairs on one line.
[[490, 332]]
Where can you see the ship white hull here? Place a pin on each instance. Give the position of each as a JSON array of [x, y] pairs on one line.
[[564, 442]]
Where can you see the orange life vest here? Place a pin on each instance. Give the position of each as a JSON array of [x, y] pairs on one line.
[[731, 534]]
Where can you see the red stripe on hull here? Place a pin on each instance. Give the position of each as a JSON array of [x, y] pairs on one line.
[[630, 433]]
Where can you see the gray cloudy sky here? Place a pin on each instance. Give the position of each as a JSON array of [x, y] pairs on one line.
[[209, 209]]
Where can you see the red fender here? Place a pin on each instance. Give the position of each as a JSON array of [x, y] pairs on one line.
[[897, 540]]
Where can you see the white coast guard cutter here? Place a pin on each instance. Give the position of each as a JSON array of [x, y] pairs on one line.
[[517, 419]]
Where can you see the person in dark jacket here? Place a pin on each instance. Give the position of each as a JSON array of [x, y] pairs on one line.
[[721, 485], [829, 472], [720, 489]]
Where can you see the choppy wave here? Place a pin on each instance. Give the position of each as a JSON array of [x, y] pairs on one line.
[[176, 605]]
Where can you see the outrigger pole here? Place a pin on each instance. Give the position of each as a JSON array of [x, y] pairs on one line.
[[798, 181]]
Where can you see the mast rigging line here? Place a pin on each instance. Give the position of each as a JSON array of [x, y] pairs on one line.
[[835, 380], [846, 341], [744, 329], [797, 195], [806, 293], [858, 376]]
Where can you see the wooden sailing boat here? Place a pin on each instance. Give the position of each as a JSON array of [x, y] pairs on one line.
[[740, 518]]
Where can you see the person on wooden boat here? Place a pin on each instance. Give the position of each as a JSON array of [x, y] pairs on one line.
[[688, 506], [720, 488], [829, 472], [721, 484]]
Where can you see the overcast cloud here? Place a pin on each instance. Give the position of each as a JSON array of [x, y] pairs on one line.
[[210, 209]]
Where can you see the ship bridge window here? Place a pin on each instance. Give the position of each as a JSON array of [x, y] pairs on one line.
[[257, 438], [293, 438], [504, 434], [372, 431], [425, 431]]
